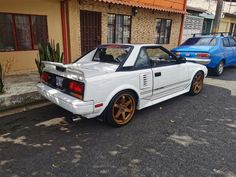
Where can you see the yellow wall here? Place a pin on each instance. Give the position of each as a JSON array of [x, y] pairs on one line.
[[225, 23], [23, 61], [74, 31]]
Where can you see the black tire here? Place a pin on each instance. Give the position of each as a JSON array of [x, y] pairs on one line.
[[218, 70], [121, 109], [197, 83]]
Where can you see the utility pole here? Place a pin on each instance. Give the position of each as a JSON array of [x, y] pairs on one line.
[[216, 23], [230, 6]]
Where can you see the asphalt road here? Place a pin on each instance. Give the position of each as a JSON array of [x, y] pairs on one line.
[[183, 137]]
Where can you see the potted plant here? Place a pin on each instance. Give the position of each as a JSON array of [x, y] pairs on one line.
[[48, 52]]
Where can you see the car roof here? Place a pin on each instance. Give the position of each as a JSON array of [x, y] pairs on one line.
[[132, 45], [209, 36], [206, 36]]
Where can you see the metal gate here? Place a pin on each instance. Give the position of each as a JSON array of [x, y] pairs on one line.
[[90, 27]]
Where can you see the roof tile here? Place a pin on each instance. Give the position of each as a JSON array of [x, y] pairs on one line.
[[176, 6]]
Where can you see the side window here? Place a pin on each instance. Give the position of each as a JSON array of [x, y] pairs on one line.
[[160, 57], [163, 31], [226, 42], [119, 28], [232, 42], [22, 32], [143, 60]]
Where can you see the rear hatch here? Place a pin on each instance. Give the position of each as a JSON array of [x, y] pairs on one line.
[[71, 78], [191, 51], [80, 70], [196, 47]]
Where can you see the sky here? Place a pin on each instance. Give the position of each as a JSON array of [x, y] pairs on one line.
[[210, 5]]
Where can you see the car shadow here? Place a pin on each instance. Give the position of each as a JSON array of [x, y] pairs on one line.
[[184, 136], [228, 74]]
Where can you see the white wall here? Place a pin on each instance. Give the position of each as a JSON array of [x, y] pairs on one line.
[[210, 5]]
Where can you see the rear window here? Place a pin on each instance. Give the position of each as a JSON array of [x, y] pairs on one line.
[[198, 41], [112, 53]]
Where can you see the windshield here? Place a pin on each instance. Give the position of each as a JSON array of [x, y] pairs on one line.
[[112, 53], [198, 41]]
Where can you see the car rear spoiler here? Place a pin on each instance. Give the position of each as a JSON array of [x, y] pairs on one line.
[[63, 68]]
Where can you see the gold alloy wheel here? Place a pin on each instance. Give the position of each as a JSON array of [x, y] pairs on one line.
[[123, 109], [198, 83]]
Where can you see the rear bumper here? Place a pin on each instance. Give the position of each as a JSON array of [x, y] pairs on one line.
[[65, 101], [199, 61]]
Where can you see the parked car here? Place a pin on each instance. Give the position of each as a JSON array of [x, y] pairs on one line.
[[112, 81], [214, 51]]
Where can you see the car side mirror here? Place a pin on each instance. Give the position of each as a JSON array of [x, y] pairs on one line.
[[181, 60]]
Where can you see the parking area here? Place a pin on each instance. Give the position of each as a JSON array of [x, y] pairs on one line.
[[185, 136]]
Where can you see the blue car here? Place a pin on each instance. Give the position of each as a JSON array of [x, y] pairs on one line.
[[214, 51]]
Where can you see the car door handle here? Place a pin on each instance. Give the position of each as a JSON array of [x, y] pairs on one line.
[[157, 74]]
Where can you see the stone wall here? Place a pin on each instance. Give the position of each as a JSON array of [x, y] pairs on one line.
[[143, 27]]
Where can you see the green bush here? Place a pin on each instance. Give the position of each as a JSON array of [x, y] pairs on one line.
[[1, 79], [48, 52]]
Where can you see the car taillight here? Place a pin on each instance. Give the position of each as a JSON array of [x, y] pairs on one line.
[[203, 55], [44, 77], [77, 88]]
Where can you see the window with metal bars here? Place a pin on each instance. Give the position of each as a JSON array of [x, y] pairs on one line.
[[20, 32], [163, 30], [119, 28]]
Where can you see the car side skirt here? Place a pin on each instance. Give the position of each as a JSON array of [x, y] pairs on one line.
[[146, 103]]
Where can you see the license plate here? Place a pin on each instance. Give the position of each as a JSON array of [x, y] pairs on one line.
[[59, 81], [187, 54]]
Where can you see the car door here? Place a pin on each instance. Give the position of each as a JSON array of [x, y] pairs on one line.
[[169, 76], [228, 51], [233, 46]]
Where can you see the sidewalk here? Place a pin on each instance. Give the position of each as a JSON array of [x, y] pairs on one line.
[[20, 90]]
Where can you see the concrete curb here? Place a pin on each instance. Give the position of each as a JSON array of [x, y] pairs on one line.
[[24, 108], [12, 101]]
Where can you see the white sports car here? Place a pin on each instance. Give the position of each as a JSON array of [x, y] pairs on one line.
[[112, 81]]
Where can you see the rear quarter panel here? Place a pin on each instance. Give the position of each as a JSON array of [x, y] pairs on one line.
[[103, 88], [194, 68]]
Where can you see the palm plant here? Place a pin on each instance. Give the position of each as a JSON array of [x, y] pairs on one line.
[[1, 79], [48, 52]]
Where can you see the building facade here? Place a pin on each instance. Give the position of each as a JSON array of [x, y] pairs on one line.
[[80, 25], [193, 22], [22, 26], [205, 10], [228, 23]]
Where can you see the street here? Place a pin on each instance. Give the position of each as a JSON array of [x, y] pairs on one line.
[[185, 137]]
